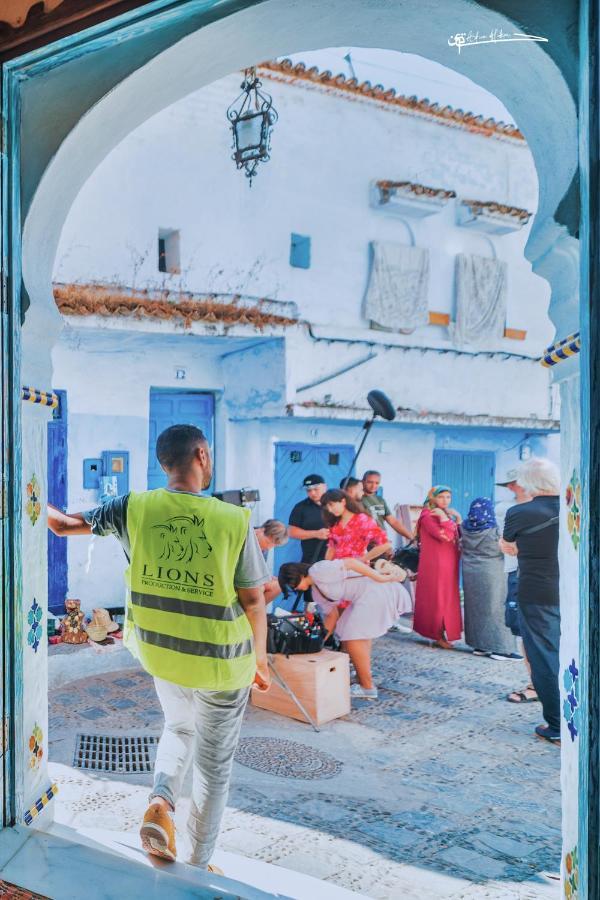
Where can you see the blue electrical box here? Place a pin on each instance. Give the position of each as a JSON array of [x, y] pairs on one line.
[[108, 474], [92, 472], [115, 466]]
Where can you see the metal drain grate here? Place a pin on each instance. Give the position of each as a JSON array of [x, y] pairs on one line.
[[115, 753]]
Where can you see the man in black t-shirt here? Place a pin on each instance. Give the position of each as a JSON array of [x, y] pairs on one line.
[[306, 520], [531, 531]]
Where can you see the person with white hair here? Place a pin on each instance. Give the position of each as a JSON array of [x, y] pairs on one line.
[[271, 534], [531, 532]]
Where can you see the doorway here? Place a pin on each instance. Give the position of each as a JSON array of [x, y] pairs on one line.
[[172, 407], [470, 474], [293, 462]]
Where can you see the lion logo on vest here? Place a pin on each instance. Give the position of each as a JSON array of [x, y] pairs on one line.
[[182, 538]]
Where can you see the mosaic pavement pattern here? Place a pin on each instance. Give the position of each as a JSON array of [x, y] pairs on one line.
[[287, 759], [441, 781]]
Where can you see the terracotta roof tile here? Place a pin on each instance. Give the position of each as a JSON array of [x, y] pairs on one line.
[[446, 115], [109, 300]]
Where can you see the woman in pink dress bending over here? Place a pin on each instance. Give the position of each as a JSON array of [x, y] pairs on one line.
[[437, 601]]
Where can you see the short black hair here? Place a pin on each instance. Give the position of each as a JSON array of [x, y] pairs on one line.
[[290, 575], [371, 472], [346, 483], [176, 445]]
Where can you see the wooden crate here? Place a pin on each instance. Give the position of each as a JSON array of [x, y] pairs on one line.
[[321, 681]]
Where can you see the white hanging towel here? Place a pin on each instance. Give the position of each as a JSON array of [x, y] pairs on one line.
[[397, 292], [480, 300]]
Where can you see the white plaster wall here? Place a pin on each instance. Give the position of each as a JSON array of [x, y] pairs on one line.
[[403, 454], [419, 380], [108, 376], [175, 171], [108, 380], [32, 771]]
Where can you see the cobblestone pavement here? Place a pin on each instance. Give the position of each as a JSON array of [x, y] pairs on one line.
[[442, 791]]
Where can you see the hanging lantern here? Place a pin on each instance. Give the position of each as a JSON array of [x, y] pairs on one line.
[[252, 117]]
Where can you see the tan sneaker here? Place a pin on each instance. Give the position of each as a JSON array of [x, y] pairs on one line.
[[158, 833]]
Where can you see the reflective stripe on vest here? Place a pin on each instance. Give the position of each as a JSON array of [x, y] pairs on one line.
[[184, 621]]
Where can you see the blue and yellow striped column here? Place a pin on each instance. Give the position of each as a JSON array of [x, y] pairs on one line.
[[44, 398], [39, 805], [561, 350]]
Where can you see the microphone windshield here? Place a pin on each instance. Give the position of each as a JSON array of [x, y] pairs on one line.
[[381, 405]]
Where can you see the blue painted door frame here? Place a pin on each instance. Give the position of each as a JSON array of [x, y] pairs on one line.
[[176, 407], [293, 462], [470, 474], [58, 496]]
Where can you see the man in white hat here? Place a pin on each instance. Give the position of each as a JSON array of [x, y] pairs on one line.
[[511, 567]]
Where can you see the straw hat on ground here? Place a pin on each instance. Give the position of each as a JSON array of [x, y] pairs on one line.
[[96, 633], [102, 619]]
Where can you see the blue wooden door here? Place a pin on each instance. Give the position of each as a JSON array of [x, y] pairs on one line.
[[57, 495], [176, 408], [470, 474], [293, 462]]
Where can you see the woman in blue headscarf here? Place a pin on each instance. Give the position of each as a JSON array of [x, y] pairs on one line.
[[484, 584]]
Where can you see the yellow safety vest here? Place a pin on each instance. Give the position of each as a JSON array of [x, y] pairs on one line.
[[184, 621]]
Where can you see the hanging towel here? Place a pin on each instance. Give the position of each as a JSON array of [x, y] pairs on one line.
[[480, 300], [397, 293]]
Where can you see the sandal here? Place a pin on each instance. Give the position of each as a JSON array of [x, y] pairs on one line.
[[522, 695], [443, 644]]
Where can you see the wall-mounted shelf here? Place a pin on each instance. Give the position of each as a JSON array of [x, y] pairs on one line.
[[405, 198], [490, 217]]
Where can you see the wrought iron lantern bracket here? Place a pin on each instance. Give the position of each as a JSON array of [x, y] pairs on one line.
[[251, 117]]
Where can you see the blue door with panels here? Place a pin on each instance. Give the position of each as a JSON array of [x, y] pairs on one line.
[[57, 496], [470, 474], [170, 407], [293, 462]]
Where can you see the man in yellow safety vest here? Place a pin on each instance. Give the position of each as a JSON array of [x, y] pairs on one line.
[[195, 620]]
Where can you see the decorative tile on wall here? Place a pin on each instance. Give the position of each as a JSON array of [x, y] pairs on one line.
[[39, 805], [33, 506], [571, 875], [572, 704], [34, 620], [35, 747], [573, 499]]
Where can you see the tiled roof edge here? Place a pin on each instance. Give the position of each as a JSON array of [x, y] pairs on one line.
[[445, 115]]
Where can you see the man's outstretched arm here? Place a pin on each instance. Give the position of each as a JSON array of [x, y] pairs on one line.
[[66, 524]]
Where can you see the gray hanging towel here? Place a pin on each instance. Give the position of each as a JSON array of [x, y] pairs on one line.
[[480, 300], [397, 292]]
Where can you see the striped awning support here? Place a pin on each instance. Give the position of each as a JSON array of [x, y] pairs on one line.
[[44, 398], [561, 350]]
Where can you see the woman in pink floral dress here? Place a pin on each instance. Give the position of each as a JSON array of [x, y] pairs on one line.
[[352, 533]]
